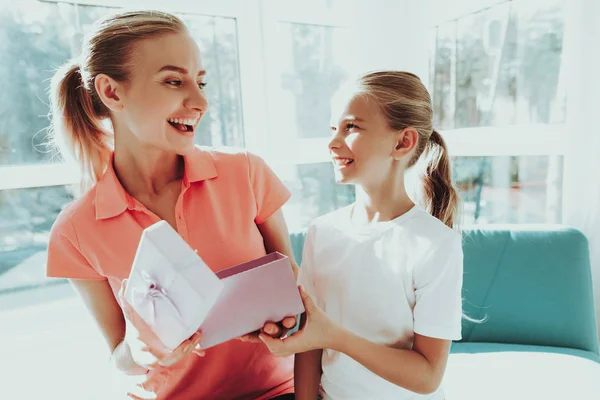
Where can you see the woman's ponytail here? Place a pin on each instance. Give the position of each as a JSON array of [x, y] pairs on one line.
[[76, 124]]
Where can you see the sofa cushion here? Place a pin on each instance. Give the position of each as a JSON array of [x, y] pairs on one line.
[[498, 372], [533, 283], [473, 348]]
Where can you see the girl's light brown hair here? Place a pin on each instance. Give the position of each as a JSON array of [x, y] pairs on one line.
[[78, 127], [405, 102]]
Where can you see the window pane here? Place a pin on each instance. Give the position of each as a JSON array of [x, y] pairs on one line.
[[35, 38], [525, 189], [88, 15], [26, 216], [541, 92], [443, 78], [217, 39], [308, 65], [508, 66], [314, 193]]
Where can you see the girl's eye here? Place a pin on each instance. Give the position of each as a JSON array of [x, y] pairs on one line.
[[350, 126], [202, 85], [174, 82]]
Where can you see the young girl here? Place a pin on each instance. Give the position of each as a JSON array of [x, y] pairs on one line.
[[141, 74], [385, 274]]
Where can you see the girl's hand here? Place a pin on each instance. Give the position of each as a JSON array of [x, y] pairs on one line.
[[146, 349], [275, 330], [318, 332]]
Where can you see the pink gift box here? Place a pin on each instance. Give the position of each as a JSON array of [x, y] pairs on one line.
[[176, 294], [170, 288], [254, 293]]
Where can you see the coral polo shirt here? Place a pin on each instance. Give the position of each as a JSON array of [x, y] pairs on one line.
[[225, 194]]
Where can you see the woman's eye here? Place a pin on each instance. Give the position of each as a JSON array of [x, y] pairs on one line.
[[202, 85], [174, 82], [350, 126]]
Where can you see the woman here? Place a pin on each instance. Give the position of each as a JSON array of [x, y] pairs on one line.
[[142, 73]]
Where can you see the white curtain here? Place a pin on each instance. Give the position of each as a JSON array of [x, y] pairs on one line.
[[581, 195]]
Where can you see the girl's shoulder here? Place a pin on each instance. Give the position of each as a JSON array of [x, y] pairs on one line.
[[333, 219]]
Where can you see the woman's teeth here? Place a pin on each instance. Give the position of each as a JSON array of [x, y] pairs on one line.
[[191, 122], [183, 125]]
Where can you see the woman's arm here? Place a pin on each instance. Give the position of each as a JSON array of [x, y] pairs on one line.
[[419, 370], [277, 238], [99, 299], [307, 374], [129, 353]]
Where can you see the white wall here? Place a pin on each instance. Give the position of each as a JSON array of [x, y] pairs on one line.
[[581, 194], [398, 26]]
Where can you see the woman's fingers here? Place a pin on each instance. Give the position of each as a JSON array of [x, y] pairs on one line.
[[185, 348]]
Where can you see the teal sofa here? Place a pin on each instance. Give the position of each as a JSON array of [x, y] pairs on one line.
[[530, 288]]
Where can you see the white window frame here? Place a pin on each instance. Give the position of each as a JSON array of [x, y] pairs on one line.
[[509, 140], [515, 140], [255, 20], [247, 14]]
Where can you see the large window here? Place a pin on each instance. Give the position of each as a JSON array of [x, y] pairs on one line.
[[240, 42], [37, 37], [496, 74], [498, 85]]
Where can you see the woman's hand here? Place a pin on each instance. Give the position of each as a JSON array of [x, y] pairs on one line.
[[318, 332], [145, 348]]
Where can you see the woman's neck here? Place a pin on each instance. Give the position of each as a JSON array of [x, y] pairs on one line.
[[147, 171]]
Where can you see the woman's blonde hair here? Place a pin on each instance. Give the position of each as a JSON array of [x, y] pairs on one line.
[[405, 102], [76, 109]]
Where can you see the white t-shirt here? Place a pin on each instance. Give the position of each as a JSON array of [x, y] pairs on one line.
[[383, 282]]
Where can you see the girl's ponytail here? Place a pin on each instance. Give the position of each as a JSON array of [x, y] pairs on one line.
[[439, 195], [405, 103]]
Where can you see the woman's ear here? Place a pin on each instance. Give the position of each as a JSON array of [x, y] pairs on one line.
[[109, 91], [406, 141]]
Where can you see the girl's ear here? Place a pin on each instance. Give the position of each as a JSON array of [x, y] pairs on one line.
[[406, 141]]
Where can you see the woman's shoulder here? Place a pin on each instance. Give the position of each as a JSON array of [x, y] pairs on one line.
[[231, 158], [81, 209]]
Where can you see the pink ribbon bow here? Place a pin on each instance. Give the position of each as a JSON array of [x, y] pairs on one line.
[[144, 300]]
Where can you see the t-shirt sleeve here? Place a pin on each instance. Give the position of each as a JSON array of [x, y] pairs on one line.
[[65, 259], [438, 291], [270, 194]]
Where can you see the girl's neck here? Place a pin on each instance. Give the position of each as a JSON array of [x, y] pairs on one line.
[[380, 203]]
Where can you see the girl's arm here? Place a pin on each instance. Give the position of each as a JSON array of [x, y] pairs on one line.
[[307, 374], [419, 370]]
